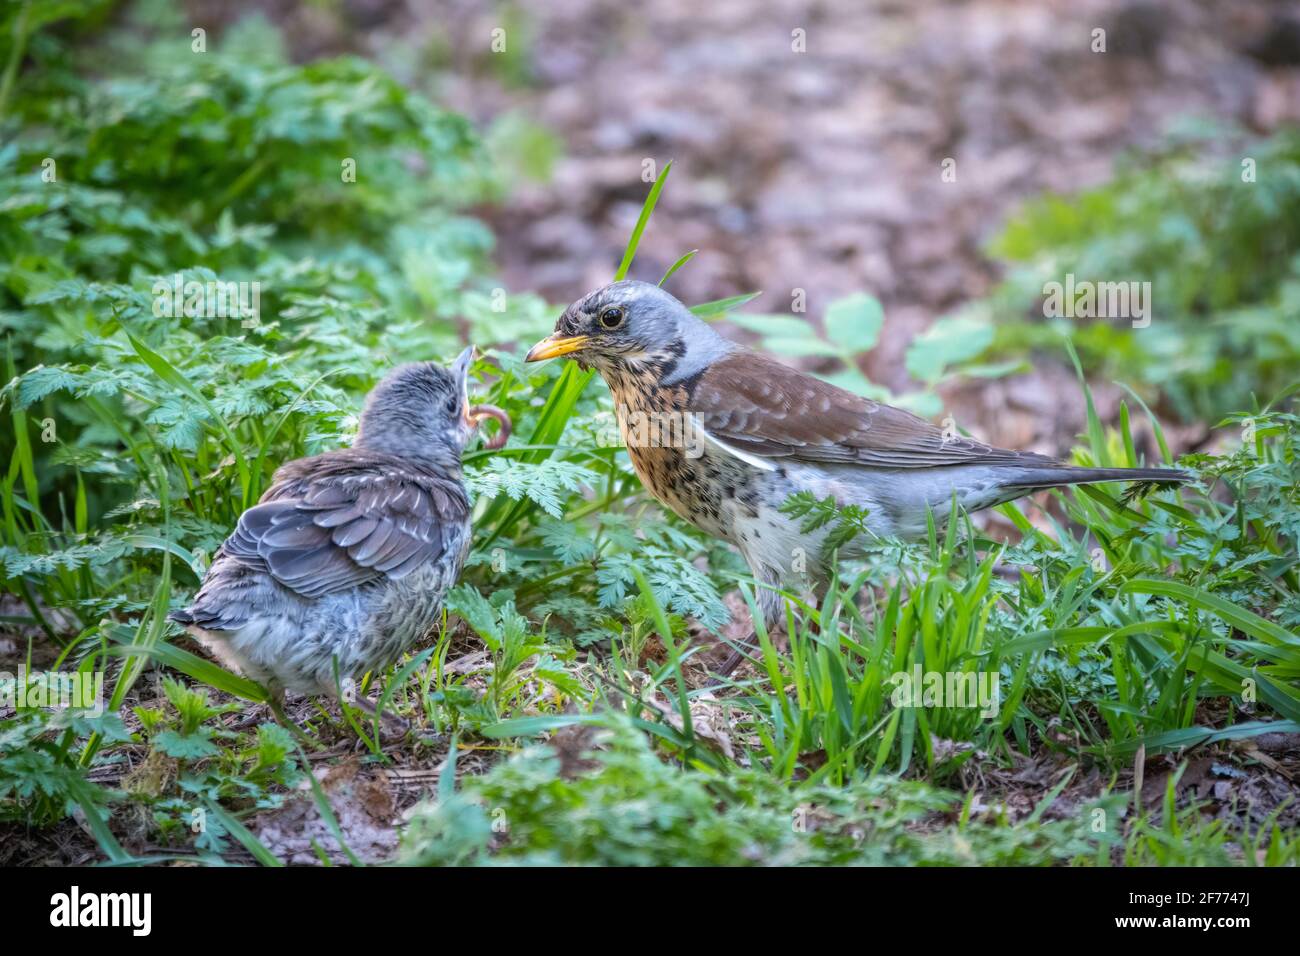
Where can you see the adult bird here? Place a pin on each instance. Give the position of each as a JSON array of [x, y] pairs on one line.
[[345, 560], [757, 431]]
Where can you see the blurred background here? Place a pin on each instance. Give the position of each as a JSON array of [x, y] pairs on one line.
[[821, 170], [824, 150]]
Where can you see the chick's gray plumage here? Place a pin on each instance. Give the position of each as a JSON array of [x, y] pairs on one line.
[[345, 561]]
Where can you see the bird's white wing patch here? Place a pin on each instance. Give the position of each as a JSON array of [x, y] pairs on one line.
[[753, 460]]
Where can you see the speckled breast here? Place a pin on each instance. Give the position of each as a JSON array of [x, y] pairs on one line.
[[694, 478]]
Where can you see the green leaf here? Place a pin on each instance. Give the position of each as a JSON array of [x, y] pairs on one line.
[[718, 307], [185, 746], [532, 726], [800, 347], [948, 342], [770, 325], [853, 323]]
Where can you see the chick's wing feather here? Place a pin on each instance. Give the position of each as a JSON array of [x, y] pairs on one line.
[[344, 519]]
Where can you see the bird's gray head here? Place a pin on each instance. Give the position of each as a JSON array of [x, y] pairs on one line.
[[632, 324], [422, 410]]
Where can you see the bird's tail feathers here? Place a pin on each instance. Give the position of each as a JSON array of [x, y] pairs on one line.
[[1146, 479]]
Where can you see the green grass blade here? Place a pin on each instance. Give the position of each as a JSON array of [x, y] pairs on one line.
[[1229, 613], [647, 209], [720, 307], [677, 265], [245, 836], [191, 665]]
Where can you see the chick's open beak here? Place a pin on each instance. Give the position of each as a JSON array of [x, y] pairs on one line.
[[460, 368], [473, 415], [553, 346]]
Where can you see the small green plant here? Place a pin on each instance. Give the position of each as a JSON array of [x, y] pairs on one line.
[[852, 328], [198, 780], [1215, 236]]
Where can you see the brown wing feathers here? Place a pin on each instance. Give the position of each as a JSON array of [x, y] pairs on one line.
[[766, 408]]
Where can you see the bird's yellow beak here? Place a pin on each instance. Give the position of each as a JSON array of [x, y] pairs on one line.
[[554, 346]]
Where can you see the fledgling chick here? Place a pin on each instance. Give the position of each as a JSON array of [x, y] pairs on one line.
[[766, 431], [344, 562]]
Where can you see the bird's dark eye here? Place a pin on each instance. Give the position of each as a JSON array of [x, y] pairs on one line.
[[453, 405], [611, 318]]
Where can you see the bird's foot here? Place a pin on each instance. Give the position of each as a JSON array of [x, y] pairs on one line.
[[392, 727], [250, 720], [741, 652]]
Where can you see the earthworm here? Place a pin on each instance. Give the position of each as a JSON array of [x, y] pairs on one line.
[[491, 411]]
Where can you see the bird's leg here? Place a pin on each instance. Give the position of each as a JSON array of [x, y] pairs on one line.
[[253, 718], [738, 654], [769, 604], [246, 722], [276, 703]]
